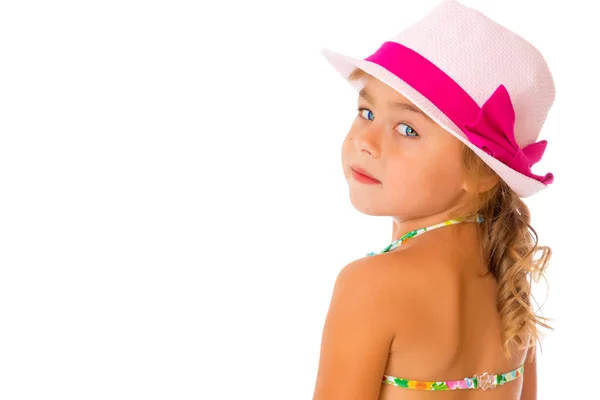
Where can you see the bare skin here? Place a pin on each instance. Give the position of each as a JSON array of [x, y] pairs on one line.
[[422, 311]]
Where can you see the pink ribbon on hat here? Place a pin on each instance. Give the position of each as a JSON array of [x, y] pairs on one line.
[[489, 127]]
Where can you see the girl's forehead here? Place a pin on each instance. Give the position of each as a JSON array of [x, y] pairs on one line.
[[377, 92], [375, 89]]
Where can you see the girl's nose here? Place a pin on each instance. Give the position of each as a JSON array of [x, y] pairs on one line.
[[369, 140]]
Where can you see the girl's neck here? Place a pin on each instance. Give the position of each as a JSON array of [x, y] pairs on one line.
[[464, 237], [402, 226]]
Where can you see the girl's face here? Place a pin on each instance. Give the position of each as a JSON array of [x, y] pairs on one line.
[[418, 163]]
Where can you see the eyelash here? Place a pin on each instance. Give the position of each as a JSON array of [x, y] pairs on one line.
[[360, 109]]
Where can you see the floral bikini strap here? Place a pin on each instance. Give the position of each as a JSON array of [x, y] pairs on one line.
[[484, 381]]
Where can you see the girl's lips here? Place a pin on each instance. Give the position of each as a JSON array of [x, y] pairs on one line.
[[361, 176]]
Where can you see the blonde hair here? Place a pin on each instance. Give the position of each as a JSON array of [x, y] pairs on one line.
[[510, 245]]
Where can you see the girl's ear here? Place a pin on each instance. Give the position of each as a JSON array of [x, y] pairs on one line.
[[488, 182], [479, 177], [482, 184]]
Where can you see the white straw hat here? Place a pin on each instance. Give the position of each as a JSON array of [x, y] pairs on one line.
[[483, 83]]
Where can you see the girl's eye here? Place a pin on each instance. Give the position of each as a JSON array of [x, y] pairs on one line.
[[407, 130], [369, 114]]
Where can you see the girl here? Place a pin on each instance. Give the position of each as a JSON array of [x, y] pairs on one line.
[[448, 117]]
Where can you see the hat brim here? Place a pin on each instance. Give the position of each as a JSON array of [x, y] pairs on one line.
[[523, 185]]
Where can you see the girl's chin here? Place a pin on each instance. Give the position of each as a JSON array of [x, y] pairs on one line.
[[366, 205]]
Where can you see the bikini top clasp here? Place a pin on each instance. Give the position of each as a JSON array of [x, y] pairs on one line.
[[486, 381]]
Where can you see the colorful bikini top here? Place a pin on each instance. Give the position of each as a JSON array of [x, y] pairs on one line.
[[483, 381]]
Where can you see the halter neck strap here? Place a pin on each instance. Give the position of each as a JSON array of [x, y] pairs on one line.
[[397, 243]]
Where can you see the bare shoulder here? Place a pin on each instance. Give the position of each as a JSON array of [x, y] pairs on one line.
[[376, 301], [418, 273], [369, 274], [357, 333], [409, 285], [368, 285], [388, 280]]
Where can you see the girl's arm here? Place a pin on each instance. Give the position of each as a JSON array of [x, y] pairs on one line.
[[357, 334], [529, 391]]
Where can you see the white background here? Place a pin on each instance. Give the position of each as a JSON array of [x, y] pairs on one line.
[[173, 212]]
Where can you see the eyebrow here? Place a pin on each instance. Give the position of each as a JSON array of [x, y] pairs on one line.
[[403, 106]]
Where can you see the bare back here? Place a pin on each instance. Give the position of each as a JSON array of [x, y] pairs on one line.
[[452, 330]]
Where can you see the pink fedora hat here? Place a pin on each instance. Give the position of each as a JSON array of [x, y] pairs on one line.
[[481, 82]]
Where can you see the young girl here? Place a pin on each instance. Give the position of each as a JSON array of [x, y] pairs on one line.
[[448, 117]]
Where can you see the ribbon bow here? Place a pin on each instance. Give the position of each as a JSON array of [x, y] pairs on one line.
[[494, 133]]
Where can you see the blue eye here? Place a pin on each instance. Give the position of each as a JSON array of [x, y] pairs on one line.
[[361, 111], [408, 131]]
